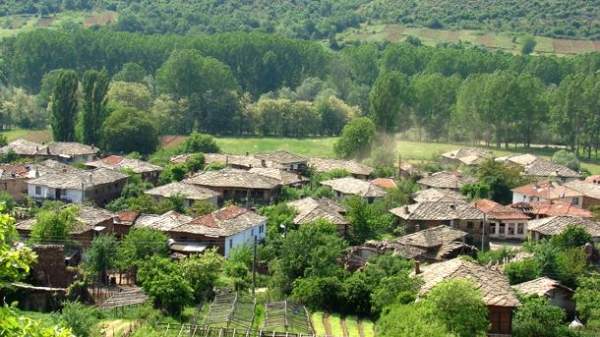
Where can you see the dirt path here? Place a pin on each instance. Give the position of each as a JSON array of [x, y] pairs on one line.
[[114, 328], [327, 324]]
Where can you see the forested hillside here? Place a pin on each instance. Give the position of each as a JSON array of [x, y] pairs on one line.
[[320, 19]]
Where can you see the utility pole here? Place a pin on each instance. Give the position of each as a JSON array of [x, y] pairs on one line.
[[483, 231], [254, 268]]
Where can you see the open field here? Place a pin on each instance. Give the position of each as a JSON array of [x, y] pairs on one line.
[[40, 136], [14, 24], [336, 326], [509, 42]]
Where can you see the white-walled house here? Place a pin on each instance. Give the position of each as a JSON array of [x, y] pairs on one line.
[[505, 222], [99, 186], [547, 191]]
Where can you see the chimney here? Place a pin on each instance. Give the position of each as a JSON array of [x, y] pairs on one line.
[[417, 268], [263, 163], [406, 209], [452, 206]]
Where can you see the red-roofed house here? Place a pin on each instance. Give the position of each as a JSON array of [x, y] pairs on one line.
[[385, 183], [505, 222], [544, 209], [547, 191]]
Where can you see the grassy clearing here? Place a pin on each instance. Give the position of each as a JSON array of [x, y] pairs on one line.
[[14, 24], [317, 322], [506, 41], [322, 147], [336, 325], [352, 326], [334, 321], [40, 136], [368, 329]]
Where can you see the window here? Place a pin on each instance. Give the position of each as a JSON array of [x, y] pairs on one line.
[[469, 225], [261, 229], [511, 229], [230, 243], [252, 232], [575, 201], [520, 228], [38, 190], [502, 228], [493, 228]]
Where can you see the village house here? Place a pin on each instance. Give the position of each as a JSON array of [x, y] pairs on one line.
[[544, 209], [242, 162], [99, 186], [226, 229], [14, 177], [161, 222], [436, 194], [547, 191], [285, 178], [348, 186], [22, 148], [90, 222], [558, 294], [429, 245], [547, 227], [505, 222], [283, 160], [123, 222], [458, 215], [539, 168], [190, 193], [238, 185], [590, 192], [354, 168], [68, 152], [493, 285], [593, 179], [310, 210], [445, 180], [408, 170], [147, 171], [466, 156]]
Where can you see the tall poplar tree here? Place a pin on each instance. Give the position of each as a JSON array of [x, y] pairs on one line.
[[95, 86], [64, 106]]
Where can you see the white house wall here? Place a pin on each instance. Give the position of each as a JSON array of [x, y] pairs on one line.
[[245, 238]]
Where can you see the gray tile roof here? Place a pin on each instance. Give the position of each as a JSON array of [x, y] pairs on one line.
[[351, 166], [468, 155], [224, 222], [281, 157], [542, 286], [241, 161], [588, 189], [87, 218], [22, 147], [119, 163], [349, 185], [233, 178], [492, 284], [188, 191], [557, 224], [435, 194], [446, 180], [310, 210], [76, 180], [440, 210], [545, 168], [164, 222], [432, 237], [285, 178]]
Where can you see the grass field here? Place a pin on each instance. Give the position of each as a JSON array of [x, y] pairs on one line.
[[333, 325], [39, 136], [14, 24], [506, 41]]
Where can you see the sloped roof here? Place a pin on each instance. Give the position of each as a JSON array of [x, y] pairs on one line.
[[547, 190], [546, 168], [14, 171], [435, 194], [188, 191], [229, 177], [115, 162], [281, 157], [497, 211], [164, 222], [224, 222], [310, 209], [246, 162], [519, 159], [67, 149], [385, 183], [468, 155], [553, 208], [350, 185], [586, 188], [78, 179], [285, 178], [557, 224], [492, 284], [87, 218], [444, 179], [432, 237], [542, 286], [328, 165], [439, 210], [127, 217], [22, 147]]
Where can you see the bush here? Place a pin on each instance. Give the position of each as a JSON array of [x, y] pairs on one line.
[[199, 142], [80, 318], [318, 293], [127, 130], [566, 158], [522, 271], [536, 317]]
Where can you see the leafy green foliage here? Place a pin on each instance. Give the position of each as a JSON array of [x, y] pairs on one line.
[[101, 256], [566, 158], [128, 130], [587, 297], [389, 100], [130, 72], [14, 324], [409, 321], [356, 139], [571, 237], [54, 225], [15, 261], [198, 142], [368, 220], [202, 272], [64, 106], [140, 244], [528, 45], [95, 87], [537, 317], [79, 318], [522, 271]]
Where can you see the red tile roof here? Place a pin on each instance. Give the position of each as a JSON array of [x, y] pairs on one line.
[[127, 216], [213, 219], [386, 183], [113, 159], [547, 190], [497, 211], [555, 208]]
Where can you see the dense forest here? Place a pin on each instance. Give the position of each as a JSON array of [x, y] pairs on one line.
[[310, 19]]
